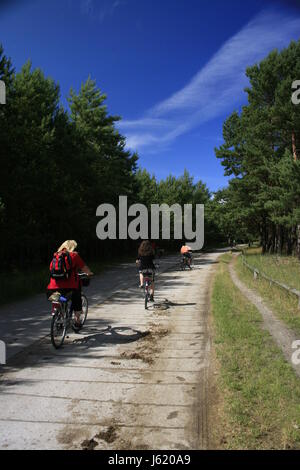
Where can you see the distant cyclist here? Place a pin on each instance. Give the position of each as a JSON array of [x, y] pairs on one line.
[[186, 252], [64, 278], [145, 261]]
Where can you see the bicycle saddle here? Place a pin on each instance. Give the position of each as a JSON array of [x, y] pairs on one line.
[[54, 297]]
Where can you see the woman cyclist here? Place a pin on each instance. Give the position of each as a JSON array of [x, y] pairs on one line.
[[145, 262], [72, 282]]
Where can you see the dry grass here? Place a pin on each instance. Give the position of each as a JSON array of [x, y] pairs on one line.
[[285, 269]]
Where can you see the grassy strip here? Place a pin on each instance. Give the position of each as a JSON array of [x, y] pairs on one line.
[[285, 269], [283, 304], [260, 392]]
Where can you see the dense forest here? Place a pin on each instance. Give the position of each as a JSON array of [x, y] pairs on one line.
[[261, 151], [58, 165]]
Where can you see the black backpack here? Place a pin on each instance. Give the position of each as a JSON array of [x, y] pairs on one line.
[[61, 266]]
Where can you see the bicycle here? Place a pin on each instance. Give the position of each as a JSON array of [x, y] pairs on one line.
[[185, 264], [63, 314], [148, 280]]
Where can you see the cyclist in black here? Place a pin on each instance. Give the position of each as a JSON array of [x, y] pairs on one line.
[[145, 262]]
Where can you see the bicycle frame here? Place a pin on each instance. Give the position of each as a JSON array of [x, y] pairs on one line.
[[148, 283], [62, 315], [148, 280], [62, 306], [185, 262], [62, 319]]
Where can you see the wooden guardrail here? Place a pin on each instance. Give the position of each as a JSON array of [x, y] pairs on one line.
[[257, 273]]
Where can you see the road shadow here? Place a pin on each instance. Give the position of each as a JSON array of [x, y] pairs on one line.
[[176, 304], [116, 335], [98, 332]]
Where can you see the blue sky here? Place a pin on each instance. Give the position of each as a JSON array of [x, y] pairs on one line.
[[173, 69]]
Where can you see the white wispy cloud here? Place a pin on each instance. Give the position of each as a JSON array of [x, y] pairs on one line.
[[217, 88], [100, 9]]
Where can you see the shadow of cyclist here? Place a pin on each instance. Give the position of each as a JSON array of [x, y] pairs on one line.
[[109, 336]]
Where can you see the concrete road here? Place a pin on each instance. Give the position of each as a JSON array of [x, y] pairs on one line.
[[22, 323], [132, 379]]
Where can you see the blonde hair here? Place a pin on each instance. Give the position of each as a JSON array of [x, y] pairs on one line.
[[69, 245]]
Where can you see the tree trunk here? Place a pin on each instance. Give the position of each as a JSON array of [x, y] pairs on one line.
[[289, 248], [298, 241], [281, 240], [278, 239], [271, 244], [264, 237]]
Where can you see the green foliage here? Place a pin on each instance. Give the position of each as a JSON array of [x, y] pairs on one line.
[[263, 198], [57, 166]]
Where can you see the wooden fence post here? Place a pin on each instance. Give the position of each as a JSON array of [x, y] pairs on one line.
[[271, 281]]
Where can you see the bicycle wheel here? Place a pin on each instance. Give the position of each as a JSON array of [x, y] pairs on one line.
[[83, 315], [58, 329], [85, 308], [146, 298]]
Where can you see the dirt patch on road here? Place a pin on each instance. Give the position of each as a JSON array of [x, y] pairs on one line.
[[148, 347], [134, 355], [131, 445], [109, 436], [67, 436], [89, 444], [158, 331]]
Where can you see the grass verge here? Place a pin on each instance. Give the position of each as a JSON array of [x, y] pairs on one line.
[[285, 269], [283, 304], [259, 390]]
